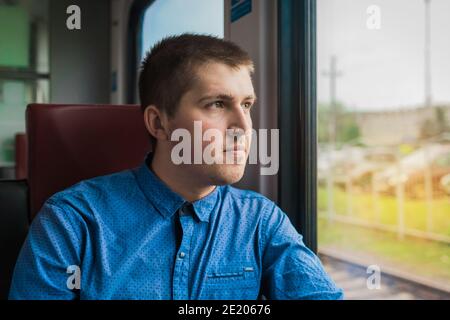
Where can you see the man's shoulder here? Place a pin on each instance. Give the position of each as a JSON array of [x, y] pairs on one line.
[[247, 197], [95, 188]]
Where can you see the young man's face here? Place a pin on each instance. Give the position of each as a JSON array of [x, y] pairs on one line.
[[221, 98]]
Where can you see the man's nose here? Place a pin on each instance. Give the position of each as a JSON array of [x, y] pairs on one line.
[[240, 119]]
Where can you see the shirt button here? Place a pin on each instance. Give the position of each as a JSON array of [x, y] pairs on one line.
[[181, 255]]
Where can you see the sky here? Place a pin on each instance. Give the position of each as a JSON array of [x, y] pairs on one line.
[[383, 69]]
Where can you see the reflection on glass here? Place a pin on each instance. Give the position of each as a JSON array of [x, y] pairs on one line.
[[24, 68]]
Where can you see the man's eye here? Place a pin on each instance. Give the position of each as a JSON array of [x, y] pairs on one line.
[[216, 104], [248, 105]]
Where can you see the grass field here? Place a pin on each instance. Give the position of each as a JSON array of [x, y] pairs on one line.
[[365, 207], [422, 257]]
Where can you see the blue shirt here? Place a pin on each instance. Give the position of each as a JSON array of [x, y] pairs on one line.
[[118, 235]]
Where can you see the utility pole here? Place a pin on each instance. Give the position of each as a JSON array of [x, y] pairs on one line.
[[333, 74], [428, 99], [428, 103]]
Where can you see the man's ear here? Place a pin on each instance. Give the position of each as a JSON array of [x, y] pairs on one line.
[[156, 123]]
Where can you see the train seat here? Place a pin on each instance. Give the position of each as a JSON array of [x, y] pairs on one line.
[[70, 143], [65, 144]]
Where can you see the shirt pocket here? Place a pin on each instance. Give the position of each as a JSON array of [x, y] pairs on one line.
[[237, 277], [231, 283]]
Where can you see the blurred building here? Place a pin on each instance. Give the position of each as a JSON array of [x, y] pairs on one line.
[[407, 125]]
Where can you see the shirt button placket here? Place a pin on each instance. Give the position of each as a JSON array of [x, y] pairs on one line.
[[181, 274]]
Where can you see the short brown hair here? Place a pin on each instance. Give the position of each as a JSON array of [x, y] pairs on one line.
[[168, 69]]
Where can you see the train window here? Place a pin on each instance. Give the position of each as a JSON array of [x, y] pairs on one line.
[[169, 17], [152, 20], [24, 70], [384, 137]]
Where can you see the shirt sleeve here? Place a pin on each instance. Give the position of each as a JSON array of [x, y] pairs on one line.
[[48, 260], [290, 269]]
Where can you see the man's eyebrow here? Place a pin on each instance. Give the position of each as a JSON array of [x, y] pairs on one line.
[[224, 96]]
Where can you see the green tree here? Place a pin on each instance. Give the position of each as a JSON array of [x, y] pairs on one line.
[[347, 128], [437, 125]]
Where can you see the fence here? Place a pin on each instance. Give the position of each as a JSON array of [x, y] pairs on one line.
[[388, 190]]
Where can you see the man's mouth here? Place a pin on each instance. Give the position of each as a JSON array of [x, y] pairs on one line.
[[235, 148]]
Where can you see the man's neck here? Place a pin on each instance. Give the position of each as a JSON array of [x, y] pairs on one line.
[[178, 179]]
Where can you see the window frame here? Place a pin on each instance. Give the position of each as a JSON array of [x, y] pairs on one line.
[[134, 46], [298, 115]]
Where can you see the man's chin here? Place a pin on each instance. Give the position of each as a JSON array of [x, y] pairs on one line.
[[227, 174]]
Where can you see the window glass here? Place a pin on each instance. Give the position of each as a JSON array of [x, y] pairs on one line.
[[383, 77], [24, 69], [171, 17]]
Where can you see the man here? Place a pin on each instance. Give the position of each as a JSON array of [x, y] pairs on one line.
[[169, 230]]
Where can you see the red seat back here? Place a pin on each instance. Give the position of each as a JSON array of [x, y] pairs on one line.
[[70, 143], [21, 156]]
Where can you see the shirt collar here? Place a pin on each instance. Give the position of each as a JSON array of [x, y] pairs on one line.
[[166, 201]]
